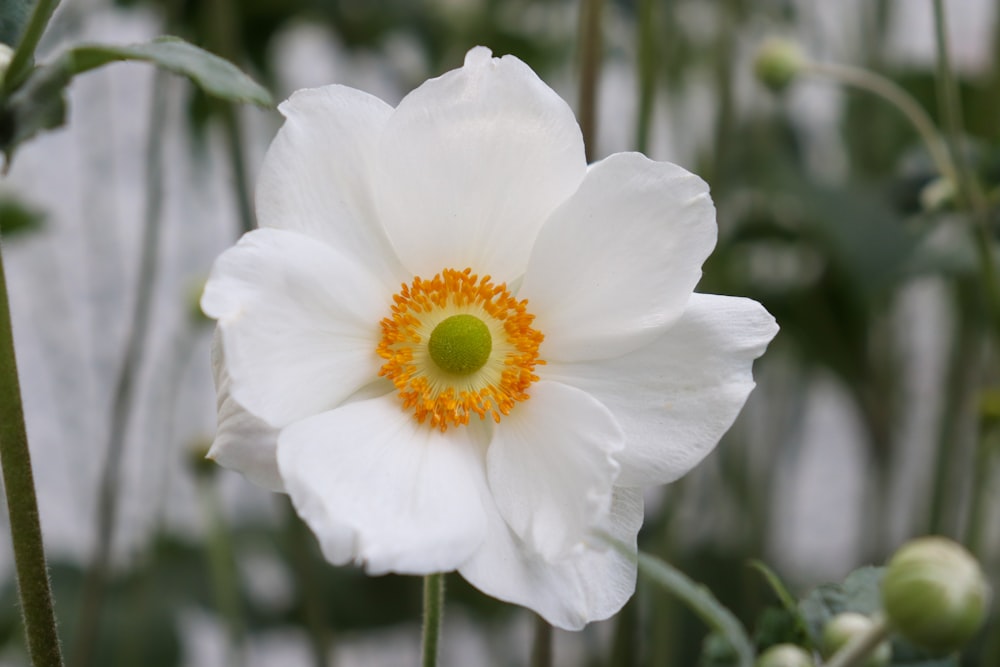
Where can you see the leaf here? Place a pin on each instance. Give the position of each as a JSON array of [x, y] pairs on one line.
[[13, 17], [39, 103], [702, 602], [16, 217], [860, 593], [214, 75], [774, 581]]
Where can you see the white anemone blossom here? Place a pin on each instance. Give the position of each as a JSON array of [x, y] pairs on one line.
[[458, 347]]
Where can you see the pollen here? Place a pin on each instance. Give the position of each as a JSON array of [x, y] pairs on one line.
[[458, 346]]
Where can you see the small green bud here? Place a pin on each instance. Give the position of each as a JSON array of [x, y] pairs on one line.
[[6, 55], [934, 594], [840, 630], [778, 62], [785, 655]]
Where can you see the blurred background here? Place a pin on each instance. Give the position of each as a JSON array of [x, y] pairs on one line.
[[877, 411]]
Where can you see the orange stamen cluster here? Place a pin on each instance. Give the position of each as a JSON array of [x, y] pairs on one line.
[[449, 400]]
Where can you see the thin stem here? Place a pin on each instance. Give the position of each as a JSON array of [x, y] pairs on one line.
[[33, 589], [541, 647], [433, 610], [857, 77], [646, 39], [107, 507], [221, 563], [968, 186], [24, 55], [590, 68], [304, 569], [858, 650]]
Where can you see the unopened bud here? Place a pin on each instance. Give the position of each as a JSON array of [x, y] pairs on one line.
[[842, 629], [934, 594], [785, 655], [778, 62]]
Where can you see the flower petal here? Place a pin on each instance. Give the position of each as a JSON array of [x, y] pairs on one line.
[[378, 488], [589, 586], [618, 261], [551, 467], [300, 323], [242, 442], [472, 163], [316, 180], [677, 396]]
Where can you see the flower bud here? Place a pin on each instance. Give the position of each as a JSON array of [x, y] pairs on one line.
[[778, 62], [784, 655], [935, 594], [840, 630]]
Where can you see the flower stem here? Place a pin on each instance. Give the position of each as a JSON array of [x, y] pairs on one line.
[[858, 650], [889, 91], [646, 38], [95, 579], [22, 505], [590, 67], [24, 54], [541, 646], [433, 610]]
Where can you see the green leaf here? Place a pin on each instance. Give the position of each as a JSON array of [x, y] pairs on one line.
[[860, 593], [39, 103], [774, 581], [16, 217], [13, 17], [214, 75], [702, 602]]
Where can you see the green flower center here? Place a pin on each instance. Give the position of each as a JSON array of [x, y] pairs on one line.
[[460, 344]]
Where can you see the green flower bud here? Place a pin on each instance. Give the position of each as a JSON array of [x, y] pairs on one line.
[[840, 630], [935, 594], [778, 62], [785, 655]]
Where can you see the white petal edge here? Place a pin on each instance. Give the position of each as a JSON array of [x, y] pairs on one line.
[[242, 442], [472, 163], [589, 586], [299, 322], [551, 468], [618, 261], [379, 489], [316, 175], [678, 395]]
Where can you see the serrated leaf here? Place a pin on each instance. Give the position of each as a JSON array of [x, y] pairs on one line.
[[214, 75]]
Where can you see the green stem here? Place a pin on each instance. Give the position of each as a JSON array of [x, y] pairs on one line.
[[968, 186], [858, 650], [433, 610], [646, 39], [863, 79], [22, 506], [222, 568], [24, 55], [95, 580], [590, 68], [305, 572], [541, 647]]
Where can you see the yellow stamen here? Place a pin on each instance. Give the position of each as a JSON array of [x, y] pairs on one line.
[[449, 399]]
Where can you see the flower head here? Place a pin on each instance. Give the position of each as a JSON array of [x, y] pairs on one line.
[[457, 346]]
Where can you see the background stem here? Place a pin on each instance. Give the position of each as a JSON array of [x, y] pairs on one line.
[[22, 505], [591, 47]]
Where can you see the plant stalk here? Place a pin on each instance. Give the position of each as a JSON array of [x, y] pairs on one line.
[[33, 588], [433, 610], [24, 55], [591, 47]]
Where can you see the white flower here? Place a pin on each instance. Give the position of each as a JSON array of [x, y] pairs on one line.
[[455, 346]]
